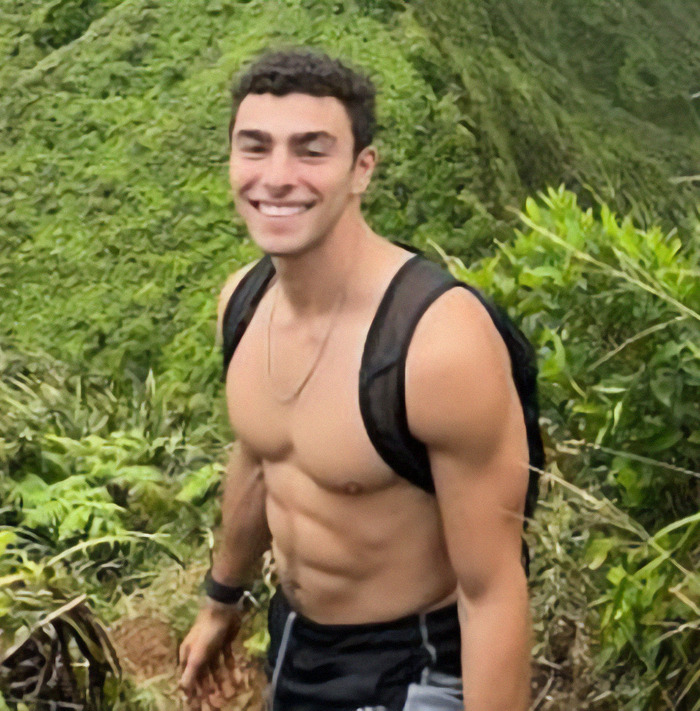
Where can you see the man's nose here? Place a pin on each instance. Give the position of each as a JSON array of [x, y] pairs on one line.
[[278, 172]]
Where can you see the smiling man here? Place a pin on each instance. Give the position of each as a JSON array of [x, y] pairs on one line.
[[401, 580]]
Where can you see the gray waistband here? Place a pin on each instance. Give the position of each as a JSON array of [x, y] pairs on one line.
[[284, 643]]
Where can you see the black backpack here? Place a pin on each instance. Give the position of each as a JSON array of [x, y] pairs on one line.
[[412, 290]]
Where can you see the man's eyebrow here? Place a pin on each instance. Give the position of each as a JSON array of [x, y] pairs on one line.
[[254, 135], [310, 136]]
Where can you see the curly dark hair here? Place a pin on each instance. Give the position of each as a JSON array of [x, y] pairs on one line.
[[306, 72]]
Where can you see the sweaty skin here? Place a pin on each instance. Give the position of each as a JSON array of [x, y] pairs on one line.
[[353, 541]]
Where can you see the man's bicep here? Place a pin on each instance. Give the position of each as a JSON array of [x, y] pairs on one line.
[[463, 405], [481, 511]]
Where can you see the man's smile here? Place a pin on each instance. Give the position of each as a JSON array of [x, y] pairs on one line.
[[281, 209]]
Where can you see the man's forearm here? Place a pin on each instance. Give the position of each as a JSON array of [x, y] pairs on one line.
[[495, 631], [243, 536]]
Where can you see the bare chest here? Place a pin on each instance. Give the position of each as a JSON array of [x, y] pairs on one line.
[[320, 431]]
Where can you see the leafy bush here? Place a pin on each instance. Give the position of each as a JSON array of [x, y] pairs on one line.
[[614, 312]]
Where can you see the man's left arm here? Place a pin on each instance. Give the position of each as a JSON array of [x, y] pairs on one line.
[[462, 403]]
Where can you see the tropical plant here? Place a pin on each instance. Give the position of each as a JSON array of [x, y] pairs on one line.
[[614, 311]]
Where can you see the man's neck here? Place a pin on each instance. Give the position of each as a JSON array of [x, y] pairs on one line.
[[310, 283]]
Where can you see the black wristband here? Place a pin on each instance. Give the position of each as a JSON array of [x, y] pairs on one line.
[[226, 594]]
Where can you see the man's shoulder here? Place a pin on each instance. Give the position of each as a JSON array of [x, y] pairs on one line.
[[456, 329], [456, 356], [227, 290]]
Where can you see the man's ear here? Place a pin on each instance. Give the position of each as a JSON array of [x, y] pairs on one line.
[[364, 167]]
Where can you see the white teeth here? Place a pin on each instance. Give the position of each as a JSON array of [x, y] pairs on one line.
[[280, 210]]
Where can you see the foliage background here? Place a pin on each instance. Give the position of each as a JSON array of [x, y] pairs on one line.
[[116, 232]]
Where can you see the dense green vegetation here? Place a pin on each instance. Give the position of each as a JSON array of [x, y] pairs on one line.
[[116, 232]]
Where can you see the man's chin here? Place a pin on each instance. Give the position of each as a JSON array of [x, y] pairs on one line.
[[281, 246]]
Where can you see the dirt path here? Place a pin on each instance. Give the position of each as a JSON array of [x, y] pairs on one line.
[[147, 649]]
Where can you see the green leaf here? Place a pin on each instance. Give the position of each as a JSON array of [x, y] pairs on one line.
[[6, 538], [258, 643], [198, 484], [616, 575], [598, 550]]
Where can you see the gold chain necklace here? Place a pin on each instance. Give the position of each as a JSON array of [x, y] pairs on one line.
[[286, 399]]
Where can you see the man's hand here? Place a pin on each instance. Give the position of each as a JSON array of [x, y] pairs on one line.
[[205, 654]]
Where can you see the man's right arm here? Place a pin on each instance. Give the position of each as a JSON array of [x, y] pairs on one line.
[[242, 539], [243, 536]]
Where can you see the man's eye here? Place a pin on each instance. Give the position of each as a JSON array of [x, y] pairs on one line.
[[312, 153], [252, 148]]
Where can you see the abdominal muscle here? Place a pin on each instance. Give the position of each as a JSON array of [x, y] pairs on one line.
[[352, 541], [352, 555]]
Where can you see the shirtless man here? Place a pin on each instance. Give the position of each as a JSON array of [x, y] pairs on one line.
[[381, 582]]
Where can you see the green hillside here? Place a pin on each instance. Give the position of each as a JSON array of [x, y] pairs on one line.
[[117, 232]]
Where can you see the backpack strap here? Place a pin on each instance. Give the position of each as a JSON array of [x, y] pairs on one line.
[[241, 307], [416, 285], [382, 373]]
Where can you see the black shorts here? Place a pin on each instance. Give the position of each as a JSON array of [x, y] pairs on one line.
[[314, 667]]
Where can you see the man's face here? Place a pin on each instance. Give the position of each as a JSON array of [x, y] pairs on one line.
[[292, 170]]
